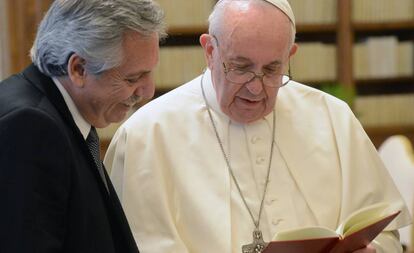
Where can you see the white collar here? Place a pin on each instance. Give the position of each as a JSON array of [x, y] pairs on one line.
[[81, 123]]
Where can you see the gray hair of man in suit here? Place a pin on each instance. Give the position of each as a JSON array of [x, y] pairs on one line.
[[92, 29]]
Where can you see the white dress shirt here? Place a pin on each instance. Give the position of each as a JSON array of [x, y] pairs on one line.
[[81, 123]]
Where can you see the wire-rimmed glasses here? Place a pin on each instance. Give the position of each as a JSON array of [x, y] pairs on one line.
[[239, 76]]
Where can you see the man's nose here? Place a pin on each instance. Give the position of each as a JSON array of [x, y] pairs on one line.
[[147, 90], [255, 86]]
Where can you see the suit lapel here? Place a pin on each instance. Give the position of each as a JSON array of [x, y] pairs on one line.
[[120, 228], [124, 240], [46, 85]]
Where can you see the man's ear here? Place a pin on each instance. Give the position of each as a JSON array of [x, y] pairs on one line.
[[206, 41], [76, 70], [293, 49]]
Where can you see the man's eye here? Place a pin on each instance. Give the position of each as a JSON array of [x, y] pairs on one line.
[[271, 72], [239, 71], [134, 79], [242, 68]]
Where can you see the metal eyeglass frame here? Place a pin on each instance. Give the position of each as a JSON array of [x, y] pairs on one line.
[[255, 75]]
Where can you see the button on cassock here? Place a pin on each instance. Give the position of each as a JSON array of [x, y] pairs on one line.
[[255, 139], [276, 221], [260, 160]]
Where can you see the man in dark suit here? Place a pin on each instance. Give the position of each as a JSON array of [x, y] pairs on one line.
[[92, 61]]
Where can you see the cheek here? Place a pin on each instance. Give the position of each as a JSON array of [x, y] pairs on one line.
[[225, 91], [228, 103], [121, 92], [271, 97], [227, 94], [113, 100], [114, 108], [107, 90]]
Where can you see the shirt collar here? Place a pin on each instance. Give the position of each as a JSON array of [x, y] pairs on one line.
[[81, 123]]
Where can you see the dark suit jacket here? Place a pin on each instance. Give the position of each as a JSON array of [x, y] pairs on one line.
[[52, 197]]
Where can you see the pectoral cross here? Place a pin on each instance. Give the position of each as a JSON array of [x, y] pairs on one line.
[[258, 244]]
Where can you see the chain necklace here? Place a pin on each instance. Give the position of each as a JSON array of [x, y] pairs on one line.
[[258, 244]]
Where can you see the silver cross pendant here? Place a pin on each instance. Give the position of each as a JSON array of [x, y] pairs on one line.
[[258, 244]]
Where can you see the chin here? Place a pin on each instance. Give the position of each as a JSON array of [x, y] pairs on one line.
[[251, 120], [246, 117], [117, 120], [119, 116], [243, 119]]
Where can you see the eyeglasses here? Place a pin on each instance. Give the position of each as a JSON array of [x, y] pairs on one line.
[[238, 76]]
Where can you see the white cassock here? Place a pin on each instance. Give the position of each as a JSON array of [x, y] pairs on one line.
[[173, 181]]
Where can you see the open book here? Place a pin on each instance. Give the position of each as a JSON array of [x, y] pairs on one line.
[[356, 232]]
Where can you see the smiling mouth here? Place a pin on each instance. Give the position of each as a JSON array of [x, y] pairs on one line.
[[128, 105], [132, 101]]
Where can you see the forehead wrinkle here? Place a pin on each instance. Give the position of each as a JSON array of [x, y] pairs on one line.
[[237, 22], [240, 58]]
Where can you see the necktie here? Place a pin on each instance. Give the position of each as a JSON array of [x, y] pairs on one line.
[[93, 143]]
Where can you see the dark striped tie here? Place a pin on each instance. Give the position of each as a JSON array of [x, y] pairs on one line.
[[93, 143]]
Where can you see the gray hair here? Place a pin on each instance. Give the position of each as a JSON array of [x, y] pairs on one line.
[[215, 19], [94, 30]]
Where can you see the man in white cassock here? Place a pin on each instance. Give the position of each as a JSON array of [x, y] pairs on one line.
[[243, 149]]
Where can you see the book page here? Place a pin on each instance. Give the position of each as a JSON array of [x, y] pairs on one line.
[[361, 238], [304, 233], [359, 230], [364, 217]]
